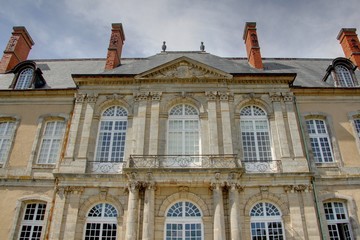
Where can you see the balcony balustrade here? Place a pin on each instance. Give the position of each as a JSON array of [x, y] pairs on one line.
[[262, 166]]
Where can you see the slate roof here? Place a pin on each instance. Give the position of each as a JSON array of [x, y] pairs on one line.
[[58, 73]]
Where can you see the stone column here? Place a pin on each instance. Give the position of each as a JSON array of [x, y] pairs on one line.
[[58, 214], [280, 126], [139, 122], [218, 203], [132, 211], [73, 204], [226, 124], [154, 123], [212, 119], [294, 128], [75, 121], [296, 214], [85, 135], [235, 229], [149, 212]]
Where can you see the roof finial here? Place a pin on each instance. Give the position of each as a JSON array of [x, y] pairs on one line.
[[163, 46], [202, 47]]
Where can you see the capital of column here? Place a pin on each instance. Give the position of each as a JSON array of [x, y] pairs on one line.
[[73, 189], [91, 98], [211, 96], [155, 96], [226, 96], [288, 98], [79, 98], [141, 96], [217, 185], [233, 186], [149, 185], [134, 186], [275, 97]]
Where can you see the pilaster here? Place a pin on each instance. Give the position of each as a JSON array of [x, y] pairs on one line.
[[226, 123], [132, 211], [139, 122], [154, 123], [58, 214], [73, 195], [234, 198], [218, 203], [212, 119], [149, 214]]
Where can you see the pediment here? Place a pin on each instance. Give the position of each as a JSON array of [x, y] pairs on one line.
[[184, 68]]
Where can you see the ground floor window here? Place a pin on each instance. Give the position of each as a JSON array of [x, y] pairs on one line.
[[101, 223], [183, 221], [266, 222], [32, 223], [337, 221]]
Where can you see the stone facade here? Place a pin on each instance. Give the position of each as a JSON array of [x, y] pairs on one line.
[[227, 192]]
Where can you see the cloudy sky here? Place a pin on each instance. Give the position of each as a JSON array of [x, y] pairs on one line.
[[81, 28]]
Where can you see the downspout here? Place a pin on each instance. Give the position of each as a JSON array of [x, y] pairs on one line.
[[313, 179]]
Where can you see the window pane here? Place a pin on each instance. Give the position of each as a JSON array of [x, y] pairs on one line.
[[51, 142], [343, 76], [32, 221], [6, 133], [24, 79]]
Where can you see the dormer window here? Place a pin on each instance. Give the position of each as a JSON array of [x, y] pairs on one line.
[[344, 77], [27, 76], [342, 72], [24, 79]]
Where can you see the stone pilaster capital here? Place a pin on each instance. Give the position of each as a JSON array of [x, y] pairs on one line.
[[217, 185], [149, 185], [74, 190], [289, 188], [226, 96], [302, 188], [275, 97], [91, 98], [134, 186], [155, 96], [288, 97], [211, 95], [79, 97], [234, 186], [141, 96]]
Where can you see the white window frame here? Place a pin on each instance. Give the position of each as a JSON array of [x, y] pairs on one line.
[[6, 140], [344, 77], [357, 126], [33, 223], [335, 220], [184, 119], [255, 121], [51, 142], [102, 220], [265, 220], [183, 221], [122, 119], [24, 80], [318, 138]]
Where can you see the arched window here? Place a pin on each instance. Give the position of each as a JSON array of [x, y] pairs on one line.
[[343, 76], [183, 221], [24, 79], [110, 145], [319, 140], [32, 223], [266, 222], [183, 130], [52, 136], [255, 134], [337, 221], [7, 130], [101, 223]]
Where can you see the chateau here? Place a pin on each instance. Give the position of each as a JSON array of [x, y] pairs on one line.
[[179, 145]]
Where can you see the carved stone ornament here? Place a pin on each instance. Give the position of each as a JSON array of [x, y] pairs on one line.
[[288, 188], [183, 189], [217, 185], [91, 98], [74, 189], [141, 96], [155, 96], [114, 97], [224, 96], [234, 186], [264, 189], [211, 96], [149, 185], [184, 68], [300, 188], [288, 98], [275, 97], [134, 186], [104, 192], [79, 98]]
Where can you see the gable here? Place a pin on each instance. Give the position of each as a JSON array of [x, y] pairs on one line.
[[183, 68]]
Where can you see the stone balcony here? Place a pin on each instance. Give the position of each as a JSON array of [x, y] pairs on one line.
[[182, 162]]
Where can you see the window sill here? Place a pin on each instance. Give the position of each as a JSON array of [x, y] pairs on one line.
[[327, 165], [43, 166]]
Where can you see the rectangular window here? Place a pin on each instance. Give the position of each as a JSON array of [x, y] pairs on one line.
[[320, 141], [32, 222], [6, 134], [51, 142]]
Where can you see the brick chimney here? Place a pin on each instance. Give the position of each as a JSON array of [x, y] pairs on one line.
[[113, 58], [17, 49], [252, 45], [350, 44]]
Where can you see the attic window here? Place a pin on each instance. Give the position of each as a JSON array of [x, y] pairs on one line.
[[27, 76], [24, 79], [343, 76]]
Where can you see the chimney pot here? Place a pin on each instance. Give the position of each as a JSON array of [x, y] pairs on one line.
[[350, 44], [117, 39], [252, 45], [17, 49]]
